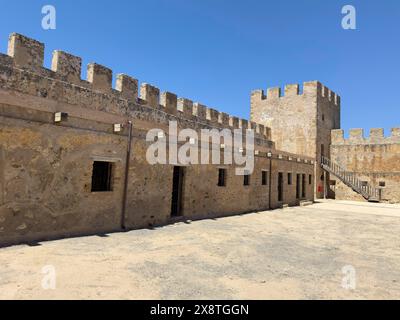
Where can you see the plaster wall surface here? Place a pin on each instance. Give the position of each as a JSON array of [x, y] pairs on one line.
[[46, 167]]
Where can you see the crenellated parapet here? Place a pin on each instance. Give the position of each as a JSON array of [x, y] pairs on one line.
[[356, 137], [25, 52], [22, 70], [294, 90], [127, 86]]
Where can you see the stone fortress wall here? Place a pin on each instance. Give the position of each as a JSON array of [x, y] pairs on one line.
[[301, 120], [374, 159], [47, 168], [307, 122]]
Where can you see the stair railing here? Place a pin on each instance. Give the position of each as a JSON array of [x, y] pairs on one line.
[[351, 180]]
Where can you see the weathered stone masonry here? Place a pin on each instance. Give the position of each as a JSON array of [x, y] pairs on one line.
[[308, 123], [300, 122], [46, 168], [375, 159]]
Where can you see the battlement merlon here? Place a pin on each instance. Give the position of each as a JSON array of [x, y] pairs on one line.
[[26, 57], [127, 86], [356, 137], [311, 88], [170, 102], [337, 136], [100, 77], [26, 52], [67, 65]]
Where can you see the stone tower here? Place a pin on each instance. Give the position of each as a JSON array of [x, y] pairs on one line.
[[301, 121]]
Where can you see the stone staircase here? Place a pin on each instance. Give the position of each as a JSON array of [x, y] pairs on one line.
[[350, 179]]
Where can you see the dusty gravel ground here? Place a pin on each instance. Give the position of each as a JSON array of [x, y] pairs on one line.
[[294, 253]]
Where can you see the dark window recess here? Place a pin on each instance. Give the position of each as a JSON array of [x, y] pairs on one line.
[[102, 176], [303, 188], [309, 179], [382, 183], [280, 186], [364, 183], [289, 179], [323, 117], [221, 177], [264, 179], [246, 180]]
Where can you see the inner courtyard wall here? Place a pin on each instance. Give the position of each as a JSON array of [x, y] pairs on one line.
[[46, 168], [375, 159]]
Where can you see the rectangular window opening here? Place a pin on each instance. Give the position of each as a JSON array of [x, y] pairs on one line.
[[246, 180], [221, 177], [102, 176]]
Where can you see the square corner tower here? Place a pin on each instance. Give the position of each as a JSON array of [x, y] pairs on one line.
[[300, 120]]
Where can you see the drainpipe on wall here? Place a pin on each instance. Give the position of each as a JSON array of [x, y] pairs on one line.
[[125, 192], [270, 183]]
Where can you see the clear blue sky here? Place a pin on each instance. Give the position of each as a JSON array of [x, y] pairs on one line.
[[217, 51]]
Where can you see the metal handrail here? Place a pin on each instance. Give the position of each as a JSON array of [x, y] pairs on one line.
[[351, 180]]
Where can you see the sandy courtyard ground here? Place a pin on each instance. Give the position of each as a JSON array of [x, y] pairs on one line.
[[294, 253]]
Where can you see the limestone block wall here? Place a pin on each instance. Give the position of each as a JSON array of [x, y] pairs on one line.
[[300, 120], [45, 179], [375, 159], [294, 167], [201, 199], [46, 167]]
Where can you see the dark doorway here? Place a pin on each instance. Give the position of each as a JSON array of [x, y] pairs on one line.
[[101, 176], [303, 188], [297, 186], [280, 186], [177, 187], [289, 179], [264, 179]]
